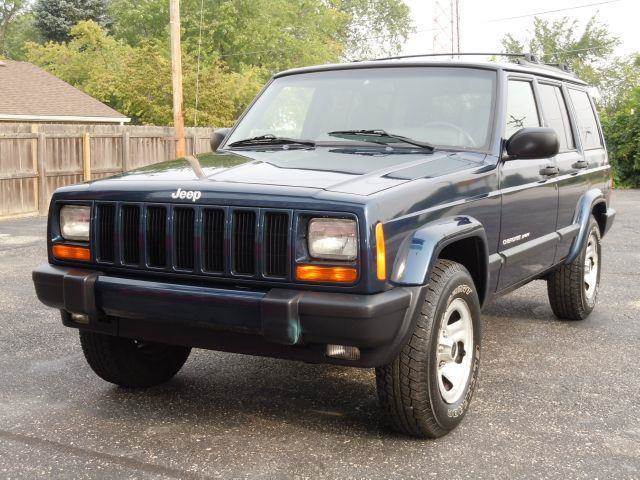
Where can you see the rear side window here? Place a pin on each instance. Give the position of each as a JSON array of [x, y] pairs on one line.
[[555, 110], [521, 107], [586, 117]]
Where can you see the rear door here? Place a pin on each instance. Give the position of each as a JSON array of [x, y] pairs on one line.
[[529, 196], [572, 181]]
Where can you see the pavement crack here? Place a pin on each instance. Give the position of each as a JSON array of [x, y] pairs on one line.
[[126, 462]]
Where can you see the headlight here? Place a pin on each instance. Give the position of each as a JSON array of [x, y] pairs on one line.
[[74, 222], [333, 239]]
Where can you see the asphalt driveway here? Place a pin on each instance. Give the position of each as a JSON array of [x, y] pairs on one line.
[[555, 399]]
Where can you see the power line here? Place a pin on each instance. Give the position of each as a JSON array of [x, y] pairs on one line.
[[576, 7]]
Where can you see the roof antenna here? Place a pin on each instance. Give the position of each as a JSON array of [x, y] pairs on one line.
[[197, 168]]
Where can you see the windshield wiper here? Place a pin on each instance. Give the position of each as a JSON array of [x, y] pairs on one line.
[[270, 139], [380, 137]]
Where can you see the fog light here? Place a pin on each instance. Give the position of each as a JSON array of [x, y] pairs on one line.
[[343, 351], [80, 318]]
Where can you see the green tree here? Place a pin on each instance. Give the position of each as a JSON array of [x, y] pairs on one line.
[[9, 11], [563, 41], [19, 32], [622, 131], [375, 27], [137, 80], [55, 18], [274, 34], [619, 77]]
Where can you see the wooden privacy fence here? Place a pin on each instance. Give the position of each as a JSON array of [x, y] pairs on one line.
[[37, 159]]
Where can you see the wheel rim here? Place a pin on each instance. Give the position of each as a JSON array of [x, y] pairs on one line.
[[591, 266], [455, 350]]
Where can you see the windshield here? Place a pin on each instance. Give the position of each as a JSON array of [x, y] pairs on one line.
[[446, 107]]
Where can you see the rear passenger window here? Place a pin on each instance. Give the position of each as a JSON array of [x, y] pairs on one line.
[[555, 110], [521, 107], [586, 117]]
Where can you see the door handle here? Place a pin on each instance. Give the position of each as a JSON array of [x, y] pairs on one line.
[[549, 171], [580, 164]]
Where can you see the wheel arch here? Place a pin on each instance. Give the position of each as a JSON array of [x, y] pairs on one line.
[[461, 239], [593, 202]]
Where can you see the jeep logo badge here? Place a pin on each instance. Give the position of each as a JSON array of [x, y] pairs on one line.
[[192, 195]]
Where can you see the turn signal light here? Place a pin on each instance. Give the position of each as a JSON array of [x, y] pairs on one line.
[[381, 253], [71, 252], [315, 273]]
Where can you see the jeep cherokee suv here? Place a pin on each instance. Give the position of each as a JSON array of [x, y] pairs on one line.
[[358, 214]]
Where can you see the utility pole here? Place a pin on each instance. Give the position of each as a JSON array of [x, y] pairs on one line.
[[176, 77]]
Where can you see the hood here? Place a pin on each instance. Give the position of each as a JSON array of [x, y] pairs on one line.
[[350, 171]]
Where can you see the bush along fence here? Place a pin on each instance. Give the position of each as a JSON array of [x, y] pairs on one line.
[[37, 159]]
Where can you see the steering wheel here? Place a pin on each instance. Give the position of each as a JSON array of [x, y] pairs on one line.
[[467, 136]]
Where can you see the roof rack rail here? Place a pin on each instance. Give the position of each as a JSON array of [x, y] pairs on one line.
[[526, 56], [522, 58], [562, 66]]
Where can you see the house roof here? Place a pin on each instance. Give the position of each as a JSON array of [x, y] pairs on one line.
[[29, 93]]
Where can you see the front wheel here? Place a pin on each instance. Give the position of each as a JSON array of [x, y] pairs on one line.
[[131, 363], [425, 391]]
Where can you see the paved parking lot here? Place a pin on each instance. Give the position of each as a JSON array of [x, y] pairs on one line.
[[555, 399]]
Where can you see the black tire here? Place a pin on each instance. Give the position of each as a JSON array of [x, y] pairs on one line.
[[408, 387], [566, 286], [130, 363]]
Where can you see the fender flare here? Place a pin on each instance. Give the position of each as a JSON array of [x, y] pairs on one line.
[[419, 252], [585, 206]]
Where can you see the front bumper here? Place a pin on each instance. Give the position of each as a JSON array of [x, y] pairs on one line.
[[281, 323]]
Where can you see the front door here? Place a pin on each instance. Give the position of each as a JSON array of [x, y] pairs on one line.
[[529, 196]]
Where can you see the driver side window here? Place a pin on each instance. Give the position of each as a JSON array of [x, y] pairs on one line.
[[521, 107]]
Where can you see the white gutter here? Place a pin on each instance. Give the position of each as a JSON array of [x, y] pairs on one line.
[[65, 118]]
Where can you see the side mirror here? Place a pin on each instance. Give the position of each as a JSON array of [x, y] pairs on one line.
[[533, 143], [217, 137]]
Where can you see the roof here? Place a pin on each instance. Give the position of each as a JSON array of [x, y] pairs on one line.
[[32, 94], [524, 67]]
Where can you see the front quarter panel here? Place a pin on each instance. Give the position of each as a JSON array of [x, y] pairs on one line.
[[418, 252]]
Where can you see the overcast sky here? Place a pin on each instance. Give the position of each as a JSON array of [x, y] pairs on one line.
[[483, 22]]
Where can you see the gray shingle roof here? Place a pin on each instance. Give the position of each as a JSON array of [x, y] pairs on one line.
[[27, 90]]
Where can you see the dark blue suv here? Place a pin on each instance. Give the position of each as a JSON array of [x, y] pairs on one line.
[[357, 214]]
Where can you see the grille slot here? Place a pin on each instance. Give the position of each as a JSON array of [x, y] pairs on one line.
[[131, 234], [106, 231], [183, 232], [244, 232], [213, 231], [276, 236], [157, 237]]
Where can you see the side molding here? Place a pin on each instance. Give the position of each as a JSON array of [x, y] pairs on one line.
[[418, 252], [583, 212]]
